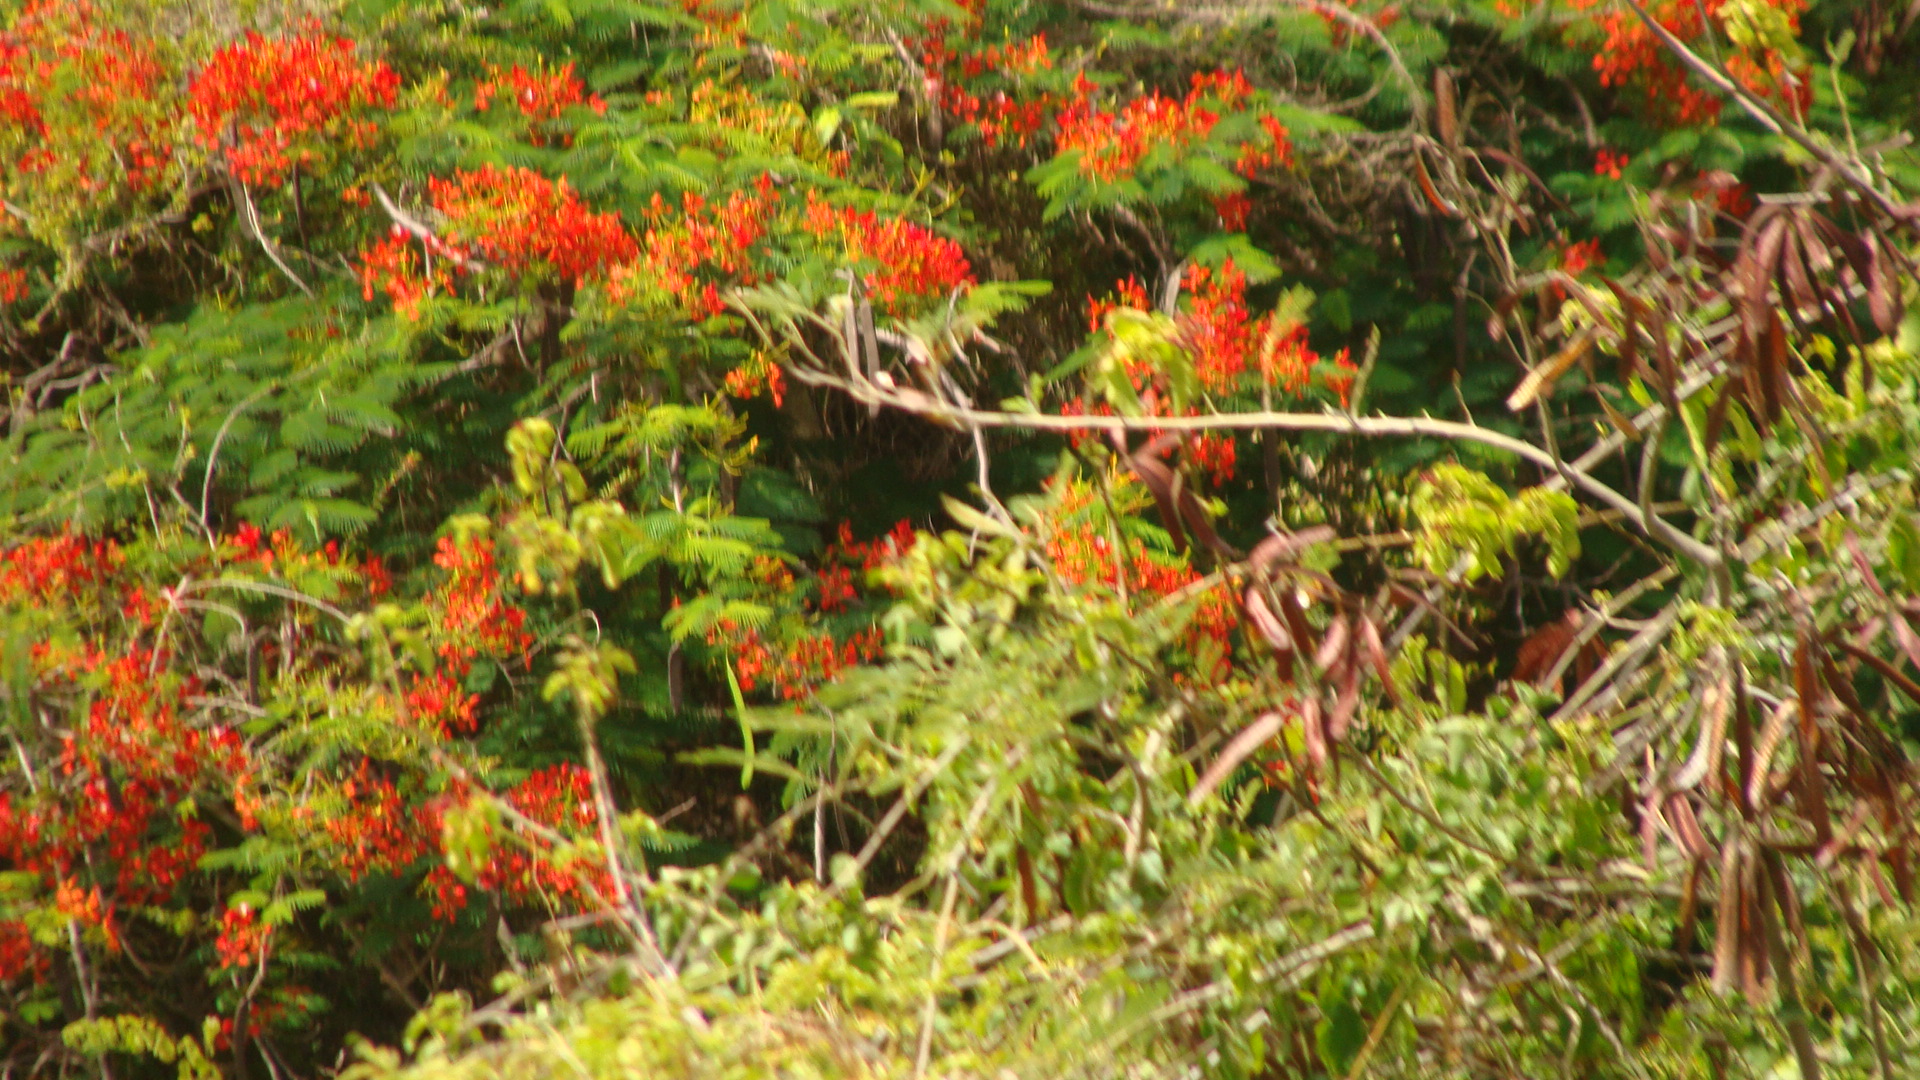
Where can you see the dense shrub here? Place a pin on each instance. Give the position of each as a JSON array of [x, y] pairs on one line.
[[1000, 539]]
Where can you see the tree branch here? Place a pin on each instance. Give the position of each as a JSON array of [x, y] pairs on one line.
[[913, 401]]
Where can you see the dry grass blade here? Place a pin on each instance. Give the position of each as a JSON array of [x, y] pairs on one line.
[[1540, 653], [1757, 785], [1446, 115], [1686, 827], [1237, 750], [1158, 479], [1883, 287], [1887, 671], [1333, 647], [1540, 381], [1726, 940], [1263, 620], [1432, 193]]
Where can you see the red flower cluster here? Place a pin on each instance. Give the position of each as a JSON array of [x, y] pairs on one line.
[[997, 114], [1216, 331], [408, 270], [1233, 210], [471, 604], [1082, 554], [438, 701], [801, 666], [1216, 455], [1577, 259], [526, 222], [110, 814], [473, 618], [794, 668], [541, 95], [249, 545], [684, 255], [913, 262], [1341, 31], [78, 95], [513, 217], [756, 376], [1728, 195], [378, 581], [44, 569], [1128, 294], [1214, 326], [19, 955], [272, 104], [559, 797], [1628, 54], [834, 580], [1113, 144], [85, 907], [107, 820], [1257, 157], [243, 938], [1608, 163], [892, 544], [378, 832]]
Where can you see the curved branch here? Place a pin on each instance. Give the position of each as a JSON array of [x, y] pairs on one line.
[[913, 401], [1767, 116]]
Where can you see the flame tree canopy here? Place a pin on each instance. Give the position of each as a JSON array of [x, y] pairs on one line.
[[977, 539]]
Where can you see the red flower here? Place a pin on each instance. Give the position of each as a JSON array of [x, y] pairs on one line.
[[379, 581], [437, 701], [48, 568], [262, 101], [407, 270], [1214, 326], [541, 95], [90, 98], [1626, 53], [913, 262], [378, 832], [19, 955], [756, 376], [560, 798], [1577, 259], [528, 223], [1129, 294], [1233, 210], [242, 940], [1111, 145], [472, 609], [705, 239]]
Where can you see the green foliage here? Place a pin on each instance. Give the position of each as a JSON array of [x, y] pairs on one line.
[[1465, 517], [733, 538]]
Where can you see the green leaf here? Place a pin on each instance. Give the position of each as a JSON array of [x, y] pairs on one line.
[[746, 729], [825, 123], [1339, 1037]]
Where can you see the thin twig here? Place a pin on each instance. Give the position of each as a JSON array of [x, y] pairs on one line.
[[213, 455], [252, 217], [1766, 115], [913, 401]]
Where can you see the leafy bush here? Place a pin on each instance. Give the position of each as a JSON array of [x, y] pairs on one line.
[[831, 539]]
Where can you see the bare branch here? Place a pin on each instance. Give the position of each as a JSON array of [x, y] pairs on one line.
[[913, 401]]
